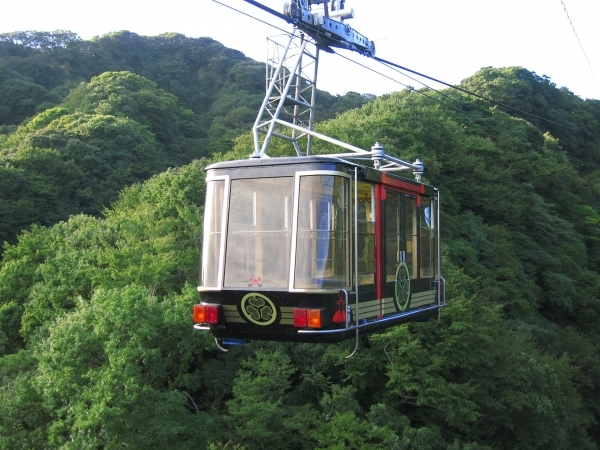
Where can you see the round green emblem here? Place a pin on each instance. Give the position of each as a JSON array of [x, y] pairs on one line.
[[402, 286], [258, 309]]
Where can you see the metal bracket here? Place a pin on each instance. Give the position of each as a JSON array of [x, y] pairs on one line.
[[290, 97], [288, 109], [223, 349], [355, 261]]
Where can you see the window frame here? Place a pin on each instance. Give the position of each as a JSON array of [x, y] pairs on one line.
[[295, 218], [224, 219], [229, 239]]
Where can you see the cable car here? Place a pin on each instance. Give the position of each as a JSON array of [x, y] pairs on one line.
[[315, 249], [324, 245]]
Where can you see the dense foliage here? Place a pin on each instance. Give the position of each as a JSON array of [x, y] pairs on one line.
[[221, 86], [117, 130], [80, 120], [96, 344]]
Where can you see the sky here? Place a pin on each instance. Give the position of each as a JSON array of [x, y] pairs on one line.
[[447, 40]]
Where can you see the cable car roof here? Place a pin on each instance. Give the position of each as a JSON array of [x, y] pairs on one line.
[[287, 166]]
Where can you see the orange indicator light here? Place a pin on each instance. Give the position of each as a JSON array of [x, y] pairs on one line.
[[314, 318], [199, 314], [206, 314]]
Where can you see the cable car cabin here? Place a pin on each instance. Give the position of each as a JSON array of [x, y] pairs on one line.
[[312, 249]]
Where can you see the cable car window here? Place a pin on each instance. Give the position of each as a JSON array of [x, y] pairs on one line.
[[393, 237], [427, 253], [400, 234], [366, 234], [259, 233], [410, 234], [322, 260], [213, 225]]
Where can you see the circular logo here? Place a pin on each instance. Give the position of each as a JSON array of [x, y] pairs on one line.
[[402, 286], [258, 309]]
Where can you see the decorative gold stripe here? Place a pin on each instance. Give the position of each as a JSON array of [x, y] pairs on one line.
[[420, 294], [422, 298], [374, 308], [421, 303], [368, 316], [366, 304], [367, 313], [232, 315], [367, 307]]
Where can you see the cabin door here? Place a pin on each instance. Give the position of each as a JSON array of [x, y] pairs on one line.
[[399, 250]]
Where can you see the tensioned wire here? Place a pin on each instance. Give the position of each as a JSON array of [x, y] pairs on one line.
[[394, 66], [390, 63], [377, 72]]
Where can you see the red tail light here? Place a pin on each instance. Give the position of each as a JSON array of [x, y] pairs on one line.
[[309, 318], [206, 314], [300, 319], [212, 313]]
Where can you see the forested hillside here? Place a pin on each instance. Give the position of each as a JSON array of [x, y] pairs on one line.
[[97, 348], [80, 120], [221, 85]]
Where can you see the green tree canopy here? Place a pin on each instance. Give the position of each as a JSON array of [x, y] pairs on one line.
[[97, 348]]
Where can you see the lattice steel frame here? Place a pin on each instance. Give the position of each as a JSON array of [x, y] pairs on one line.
[[290, 98], [289, 104]]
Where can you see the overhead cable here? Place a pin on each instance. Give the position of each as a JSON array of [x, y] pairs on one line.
[[580, 44], [390, 63], [486, 121], [383, 61], [415, 90], [251, 16]]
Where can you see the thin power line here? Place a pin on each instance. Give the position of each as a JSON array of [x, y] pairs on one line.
[[389, 63], [482, 119], [477, 95], [464, 105], [486, 121], [252, 17], [580, 44]]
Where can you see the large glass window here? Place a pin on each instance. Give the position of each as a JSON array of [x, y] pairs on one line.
[[322, 242], [366, 233], [428, 239], [259, 233], [400, 233], [410, 234], [213, 225], [393, 235]]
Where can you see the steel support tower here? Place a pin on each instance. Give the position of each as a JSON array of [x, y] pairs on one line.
[[291, 90]]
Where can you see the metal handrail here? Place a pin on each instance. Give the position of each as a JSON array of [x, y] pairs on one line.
[[355, 261]]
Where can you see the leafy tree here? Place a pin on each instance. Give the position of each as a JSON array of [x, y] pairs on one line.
[[117, 130], [21, 98], [96, 339], [199, 72]]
